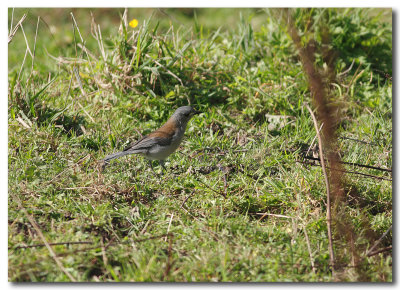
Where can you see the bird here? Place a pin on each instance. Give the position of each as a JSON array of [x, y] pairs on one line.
[[161, 143]]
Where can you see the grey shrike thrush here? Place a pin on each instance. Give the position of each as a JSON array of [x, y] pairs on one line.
[[161, 143]]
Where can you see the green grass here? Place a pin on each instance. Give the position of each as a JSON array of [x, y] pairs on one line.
[[201, 221]]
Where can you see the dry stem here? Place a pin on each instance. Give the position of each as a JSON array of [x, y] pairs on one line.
[[328, 194]]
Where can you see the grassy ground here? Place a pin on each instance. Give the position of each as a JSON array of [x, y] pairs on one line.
[[204, 220]]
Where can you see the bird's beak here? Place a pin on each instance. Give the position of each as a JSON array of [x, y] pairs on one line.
[[195, 112]]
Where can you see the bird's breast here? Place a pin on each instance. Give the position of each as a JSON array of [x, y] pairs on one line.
[[162, 151]]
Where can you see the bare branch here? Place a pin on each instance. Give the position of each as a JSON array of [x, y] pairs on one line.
[[378, 241]]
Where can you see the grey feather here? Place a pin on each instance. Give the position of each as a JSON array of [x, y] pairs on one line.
[[116, 155], [142, 145]]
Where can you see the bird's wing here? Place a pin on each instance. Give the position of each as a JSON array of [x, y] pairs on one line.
[[158, 137], [132, 144], [145, 144]]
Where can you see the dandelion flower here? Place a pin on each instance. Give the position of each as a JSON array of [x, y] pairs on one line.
[[133, 23]]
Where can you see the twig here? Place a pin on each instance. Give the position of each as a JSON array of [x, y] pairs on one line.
[[183, 203], [379, 251], [39, 232], [328, 195], [352, 172], [359, 173], [355, 164], [378, 241], [52, 244]]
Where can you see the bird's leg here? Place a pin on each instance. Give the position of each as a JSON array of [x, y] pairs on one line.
[[152, 169], [162, 162], [151, 166]]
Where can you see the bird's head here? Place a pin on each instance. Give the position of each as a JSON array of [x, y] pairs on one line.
[[184, 114]]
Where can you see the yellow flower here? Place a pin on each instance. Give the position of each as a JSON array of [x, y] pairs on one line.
[[133, 23]]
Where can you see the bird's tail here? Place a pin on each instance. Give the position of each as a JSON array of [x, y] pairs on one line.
[[110, 157]]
